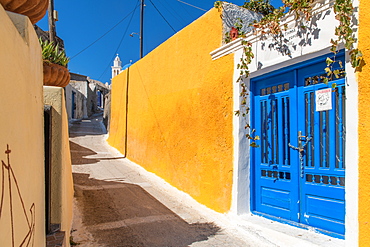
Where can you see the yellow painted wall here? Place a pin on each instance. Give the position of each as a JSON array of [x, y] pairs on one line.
[[61, 169], [364, 126], [21, 126], [179, 119]]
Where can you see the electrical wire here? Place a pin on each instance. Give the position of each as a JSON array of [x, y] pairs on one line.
[[185, 9], [191, 5], [119, 44], [103, 34], [162, 15], [172, 11], [124, 35]]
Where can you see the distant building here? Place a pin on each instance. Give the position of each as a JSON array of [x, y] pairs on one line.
[[117, 66], [84, 96], [44, 35]]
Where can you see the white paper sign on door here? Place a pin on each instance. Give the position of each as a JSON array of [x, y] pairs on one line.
[[323, 100]]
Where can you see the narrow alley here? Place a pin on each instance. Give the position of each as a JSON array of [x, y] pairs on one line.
[[117, 203], [231, 124]]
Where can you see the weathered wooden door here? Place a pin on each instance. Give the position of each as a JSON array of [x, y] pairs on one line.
[[298, 169]]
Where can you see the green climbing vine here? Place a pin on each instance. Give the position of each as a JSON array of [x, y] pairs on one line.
[[271, 24]]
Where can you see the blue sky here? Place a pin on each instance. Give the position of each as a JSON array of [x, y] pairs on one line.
[[83, 22]]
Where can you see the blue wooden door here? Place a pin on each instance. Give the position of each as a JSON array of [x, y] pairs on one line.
[[298, 168], [73, 105]]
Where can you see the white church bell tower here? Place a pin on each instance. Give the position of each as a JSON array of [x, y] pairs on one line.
[[117, 66]]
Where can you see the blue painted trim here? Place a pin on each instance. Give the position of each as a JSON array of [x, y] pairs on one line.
[[296, 66], [252, 157]]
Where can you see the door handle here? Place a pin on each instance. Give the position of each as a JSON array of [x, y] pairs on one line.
[[300, 149], [302, 138]]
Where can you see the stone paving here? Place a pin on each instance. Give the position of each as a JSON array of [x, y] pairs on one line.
[[118, 203]]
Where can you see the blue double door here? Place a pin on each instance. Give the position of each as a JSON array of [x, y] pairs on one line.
[[298, 169]]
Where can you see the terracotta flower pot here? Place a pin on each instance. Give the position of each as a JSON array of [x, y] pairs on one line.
[[34, 9], [55, 75]]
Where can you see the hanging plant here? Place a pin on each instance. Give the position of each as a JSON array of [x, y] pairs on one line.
[[259, 6], [271, 24]]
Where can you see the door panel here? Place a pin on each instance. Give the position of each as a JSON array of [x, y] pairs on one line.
[[276, 193], [299, 169], [322, 190]]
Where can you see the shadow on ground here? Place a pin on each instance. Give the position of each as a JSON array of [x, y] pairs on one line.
[[79, 155], [123, 214]]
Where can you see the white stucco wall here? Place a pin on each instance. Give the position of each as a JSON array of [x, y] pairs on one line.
[[80, 90], [270, 55]]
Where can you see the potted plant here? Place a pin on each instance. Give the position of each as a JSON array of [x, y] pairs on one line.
[[55, 65], [34, 9]]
